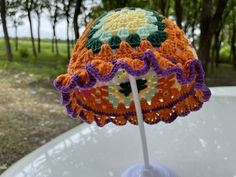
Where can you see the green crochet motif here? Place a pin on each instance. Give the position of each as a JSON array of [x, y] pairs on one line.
[[114, 42], [91, 33], [157, 38], [161, 26], [133, 40], [94, 44]]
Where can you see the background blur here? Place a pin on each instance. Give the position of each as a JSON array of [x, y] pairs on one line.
[[37, 37]]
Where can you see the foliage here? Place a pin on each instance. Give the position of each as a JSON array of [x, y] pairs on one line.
[[225, 54], [24, 53]]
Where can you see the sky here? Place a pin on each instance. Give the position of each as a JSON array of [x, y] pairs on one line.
[[46, 29]]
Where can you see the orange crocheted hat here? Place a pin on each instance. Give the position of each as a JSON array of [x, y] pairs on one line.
[[142, 43]]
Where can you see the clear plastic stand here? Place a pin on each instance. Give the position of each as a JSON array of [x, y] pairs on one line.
[[146, 169]]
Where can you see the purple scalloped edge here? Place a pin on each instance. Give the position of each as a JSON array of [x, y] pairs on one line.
[[72, 112], [149, 61]]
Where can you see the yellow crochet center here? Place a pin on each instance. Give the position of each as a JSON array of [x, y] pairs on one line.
[[132, 20]]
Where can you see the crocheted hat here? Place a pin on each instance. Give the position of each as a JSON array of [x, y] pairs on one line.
[[142, 43]]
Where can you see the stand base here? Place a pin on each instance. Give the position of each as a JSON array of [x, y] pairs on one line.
[[155, 170]]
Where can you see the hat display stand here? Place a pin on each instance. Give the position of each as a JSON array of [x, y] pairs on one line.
[[146, 169]]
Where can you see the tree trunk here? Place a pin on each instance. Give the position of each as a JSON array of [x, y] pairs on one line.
[[67, 37], [163, 6], [52, 42], [53, 38], [194, 22], [16, 38], [75, 18], [55, 43], [4, 26], [178, 12], [216, 47], [233, 41], [208, 25], [39, 39], [31, 33], [204, 48], [168, 4], [205, 36], [215, 56]]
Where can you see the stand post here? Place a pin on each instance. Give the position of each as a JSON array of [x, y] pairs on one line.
[[140, 120]]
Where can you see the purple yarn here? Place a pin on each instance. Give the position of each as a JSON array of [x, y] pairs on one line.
[[127, 114], [65, 98], [149, 61]]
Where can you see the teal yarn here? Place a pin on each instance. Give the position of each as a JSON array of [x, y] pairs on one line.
[[91, 33], [150, 28], [94, 44], [133, 40], [157, 38], [114, 42]]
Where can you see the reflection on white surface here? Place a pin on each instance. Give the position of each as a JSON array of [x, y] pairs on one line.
[[202, 144]]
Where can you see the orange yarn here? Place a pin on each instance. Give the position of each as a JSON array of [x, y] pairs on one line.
[[168, 89]]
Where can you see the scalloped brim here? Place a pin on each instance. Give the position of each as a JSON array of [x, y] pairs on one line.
[[190, 99]]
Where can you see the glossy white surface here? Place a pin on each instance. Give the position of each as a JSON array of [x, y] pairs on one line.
[[203, 144]]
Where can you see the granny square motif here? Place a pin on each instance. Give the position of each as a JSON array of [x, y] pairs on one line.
[[142, 43]]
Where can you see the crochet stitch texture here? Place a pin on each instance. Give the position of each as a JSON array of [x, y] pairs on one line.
[[142, 43]]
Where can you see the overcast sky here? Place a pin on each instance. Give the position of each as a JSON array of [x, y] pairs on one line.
[[46, 29]]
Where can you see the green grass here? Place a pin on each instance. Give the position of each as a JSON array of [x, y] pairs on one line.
[[46, 64]]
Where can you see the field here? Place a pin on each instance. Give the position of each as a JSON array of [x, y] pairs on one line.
[[30, 113]]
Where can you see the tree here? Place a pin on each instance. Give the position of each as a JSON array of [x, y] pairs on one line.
[[233, 39], [162, 6], [108, 5], [15, 17], [195, 6], [218, 40], [3, 11], [67, 6], [28, 8], [188, 17], [75, 18], [86, 16], [178, 12], [208, 25], [38, 7], [54, 13]]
